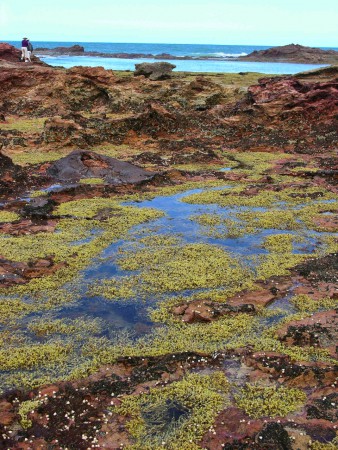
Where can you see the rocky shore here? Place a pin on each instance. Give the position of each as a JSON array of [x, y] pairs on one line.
[[288, 53], [116, 332]]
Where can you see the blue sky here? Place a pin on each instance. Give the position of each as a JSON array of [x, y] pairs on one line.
[[257, 22]]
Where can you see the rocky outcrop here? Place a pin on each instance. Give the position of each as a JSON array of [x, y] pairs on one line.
[[11, 54], [10, 175], [293, 53], [85, 164], [74, 49], [207, 311], [286, 112], [154, 71], [14, 273]]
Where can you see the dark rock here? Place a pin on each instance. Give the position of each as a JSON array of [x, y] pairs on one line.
[[206, 311], [324, 408], [320, 330], [86, 164], [10, 176], [61, 50], [154, 71], [294, 53], [38, 208], [321, 269], [274, 436], [150, 158], [296, 374]]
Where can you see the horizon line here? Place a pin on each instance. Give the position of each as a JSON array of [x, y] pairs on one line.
[[170, 43]]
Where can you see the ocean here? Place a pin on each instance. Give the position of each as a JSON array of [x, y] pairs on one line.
[[223, 55]]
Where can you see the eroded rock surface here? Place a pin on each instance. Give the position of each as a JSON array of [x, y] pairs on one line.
[[85, 164], [154, 71]]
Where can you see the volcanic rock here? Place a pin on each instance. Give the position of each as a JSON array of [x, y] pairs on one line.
[[86, 164], [154, 71]]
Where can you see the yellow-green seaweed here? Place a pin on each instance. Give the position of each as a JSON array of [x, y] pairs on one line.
[[203, 396], [269, 401]]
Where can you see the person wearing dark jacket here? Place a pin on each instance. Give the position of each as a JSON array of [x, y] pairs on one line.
[[24, 49], [29, 50]]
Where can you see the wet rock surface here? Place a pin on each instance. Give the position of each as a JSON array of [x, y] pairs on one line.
[[13, 273], [85, 164], [276, 135]]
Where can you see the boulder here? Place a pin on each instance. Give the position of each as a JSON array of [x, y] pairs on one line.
[[86, 164], [154, 71]]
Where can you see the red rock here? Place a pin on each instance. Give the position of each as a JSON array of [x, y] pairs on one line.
[[231, 425], [7, 414], [206, 310], [321, 330], [26, 227]]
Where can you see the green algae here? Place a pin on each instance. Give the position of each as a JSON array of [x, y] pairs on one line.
[[305, 303], [281, 243], [201, 397], [8, 216], [260, 401], [24, 409], [92, 181], [11, 309], [180, 337], [28, 356], [34, 125], [35, 194], [277, 264], [66, 245], [45, 327], [37, 156], [174, 268], [237, 196]]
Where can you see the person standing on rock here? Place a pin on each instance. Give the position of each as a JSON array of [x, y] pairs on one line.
[[29, 50], [24, 49]]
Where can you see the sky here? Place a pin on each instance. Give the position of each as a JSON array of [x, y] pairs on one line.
[[228, 22]]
